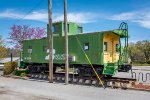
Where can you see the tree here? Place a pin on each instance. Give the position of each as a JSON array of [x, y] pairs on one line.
[[146, 49], [140, 51], [19, 33], [3, 50], [1, 41], [15, 52]]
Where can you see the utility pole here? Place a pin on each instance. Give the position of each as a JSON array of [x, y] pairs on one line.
[[66, 42], [11, 56], [50, 41]]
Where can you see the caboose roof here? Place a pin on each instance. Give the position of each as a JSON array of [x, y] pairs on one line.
[[121, 32]]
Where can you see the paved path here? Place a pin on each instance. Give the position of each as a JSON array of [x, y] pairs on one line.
[[6, 94], [141, 68], [51, 91]]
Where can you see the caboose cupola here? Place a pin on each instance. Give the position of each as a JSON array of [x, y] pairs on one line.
[[73, 28]]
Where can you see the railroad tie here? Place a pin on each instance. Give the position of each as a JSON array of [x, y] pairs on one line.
[[75, 80], [36, 76], [44, 77], [58, 78], [63, 79], [87, 82], [70, 79], [40, 76], [81, 81], [32, 76], [94, 82], [54, 78]]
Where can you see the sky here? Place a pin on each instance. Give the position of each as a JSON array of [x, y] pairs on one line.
[[93, 15]]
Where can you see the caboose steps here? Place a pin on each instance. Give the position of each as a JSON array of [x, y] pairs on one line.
[[109, 69]]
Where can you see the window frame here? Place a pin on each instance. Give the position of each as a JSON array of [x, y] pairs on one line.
[[68, 25], [53, 28], [117, 47], [30, 49], [105, 44], [45, 48], [86, 44], [80, 28]]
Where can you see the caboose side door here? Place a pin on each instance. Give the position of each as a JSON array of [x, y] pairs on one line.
[[114, 49]]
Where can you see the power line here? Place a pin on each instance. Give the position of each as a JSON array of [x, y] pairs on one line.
[[30, 11]]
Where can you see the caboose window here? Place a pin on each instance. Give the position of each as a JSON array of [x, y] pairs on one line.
[[56, 28], [44, 48], [86, 46], [117, 47], [30, 49], [79, 29], [53, 28], [68, 26], [105, 46]]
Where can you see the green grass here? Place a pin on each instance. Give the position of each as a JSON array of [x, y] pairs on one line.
[[21, 72]]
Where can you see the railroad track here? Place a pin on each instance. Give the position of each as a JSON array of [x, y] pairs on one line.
[[113, 82]]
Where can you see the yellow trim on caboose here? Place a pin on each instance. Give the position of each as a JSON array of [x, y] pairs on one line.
[[111, 55]]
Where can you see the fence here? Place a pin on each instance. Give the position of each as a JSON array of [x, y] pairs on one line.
[[144, 77]]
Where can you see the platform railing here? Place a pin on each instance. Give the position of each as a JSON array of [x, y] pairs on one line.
[[141, 77]]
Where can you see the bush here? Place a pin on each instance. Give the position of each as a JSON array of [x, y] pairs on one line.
[[23, 74], [148, 62], [20, 72], [9, 67]]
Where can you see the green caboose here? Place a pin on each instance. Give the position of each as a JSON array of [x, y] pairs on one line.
[[101, 49]]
